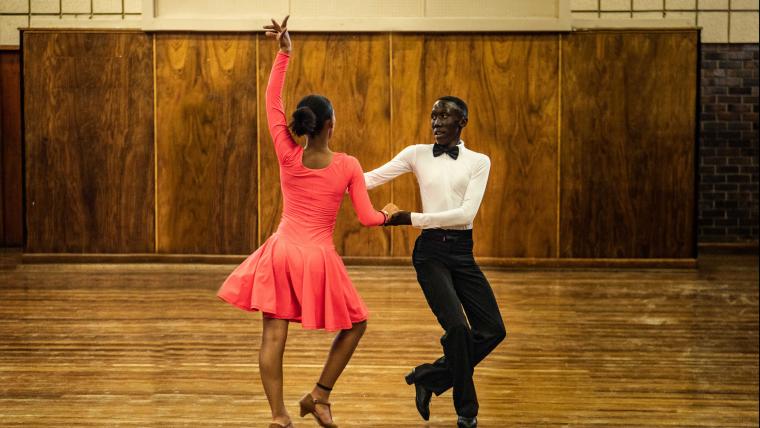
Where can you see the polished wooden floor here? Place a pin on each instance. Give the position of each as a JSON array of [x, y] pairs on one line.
[[150, 345]]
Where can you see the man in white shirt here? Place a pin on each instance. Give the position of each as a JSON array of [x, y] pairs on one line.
[[452, 182]]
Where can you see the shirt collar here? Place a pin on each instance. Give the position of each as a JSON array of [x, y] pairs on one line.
[[460, 144]]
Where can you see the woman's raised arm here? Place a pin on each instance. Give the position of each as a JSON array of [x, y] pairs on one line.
[[284, 144]]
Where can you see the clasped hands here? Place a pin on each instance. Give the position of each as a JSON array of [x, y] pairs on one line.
[[395, 216]]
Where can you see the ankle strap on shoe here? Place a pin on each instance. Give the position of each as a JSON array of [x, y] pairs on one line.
[[322, 402], [323, 387]]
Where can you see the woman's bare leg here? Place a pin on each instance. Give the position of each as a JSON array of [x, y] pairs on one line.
[[342, 349], [273, 338]]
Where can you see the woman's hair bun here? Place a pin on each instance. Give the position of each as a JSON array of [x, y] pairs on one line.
[[304, 121], [311, 115]]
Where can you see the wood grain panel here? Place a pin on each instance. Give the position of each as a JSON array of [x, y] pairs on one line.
[[206, 143], [352, 71], [628, 144], [510, 83], [89, 142], [11, 216]]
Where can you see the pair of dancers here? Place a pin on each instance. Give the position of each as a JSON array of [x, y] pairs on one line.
[[297, 276]]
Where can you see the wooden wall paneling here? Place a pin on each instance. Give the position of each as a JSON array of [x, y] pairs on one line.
[[206, 143], [628, 144], [510, 83], [352, 71], [2, 149], [2, 181], [410, 125], [89, 141], [12, 222]]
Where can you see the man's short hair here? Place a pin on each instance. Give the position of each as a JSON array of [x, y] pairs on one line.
[[461, 105]]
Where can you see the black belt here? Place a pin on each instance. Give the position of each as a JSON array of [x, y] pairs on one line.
[[444, 235]]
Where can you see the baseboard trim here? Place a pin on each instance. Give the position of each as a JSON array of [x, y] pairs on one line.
[[32, 258], [686, 263], [728, 247], [514, 262]]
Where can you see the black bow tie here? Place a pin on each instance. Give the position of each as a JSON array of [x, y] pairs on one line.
[[439, 150]]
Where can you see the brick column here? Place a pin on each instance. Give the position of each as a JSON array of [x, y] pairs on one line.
[[728, 192]]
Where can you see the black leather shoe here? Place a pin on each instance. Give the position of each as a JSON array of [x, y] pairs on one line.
[[463, 422], [422, 396]]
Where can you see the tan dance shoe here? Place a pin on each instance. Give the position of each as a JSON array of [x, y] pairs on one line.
[[309, 405]]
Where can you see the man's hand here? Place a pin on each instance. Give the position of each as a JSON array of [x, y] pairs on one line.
[[280, 33], [400, 218]]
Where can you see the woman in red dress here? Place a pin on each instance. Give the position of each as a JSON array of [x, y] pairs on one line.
[[297, 275]]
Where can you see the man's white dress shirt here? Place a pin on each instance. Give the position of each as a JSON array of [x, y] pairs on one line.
[[451, 189]]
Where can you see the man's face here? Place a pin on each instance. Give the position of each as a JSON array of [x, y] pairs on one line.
[[447, 122]]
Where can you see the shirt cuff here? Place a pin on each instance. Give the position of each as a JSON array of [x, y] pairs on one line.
[[416, 219]]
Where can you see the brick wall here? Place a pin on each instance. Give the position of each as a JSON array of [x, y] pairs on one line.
[[728, 192]]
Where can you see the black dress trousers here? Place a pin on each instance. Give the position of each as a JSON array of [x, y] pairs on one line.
[[454, 285]]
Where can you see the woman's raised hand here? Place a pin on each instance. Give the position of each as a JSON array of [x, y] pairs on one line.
[[280, 33]]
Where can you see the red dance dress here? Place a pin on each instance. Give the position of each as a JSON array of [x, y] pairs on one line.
[[296, 274]]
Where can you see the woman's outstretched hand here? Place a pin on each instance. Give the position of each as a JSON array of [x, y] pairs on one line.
[[280, 33], [390, 209], [395, 216]]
